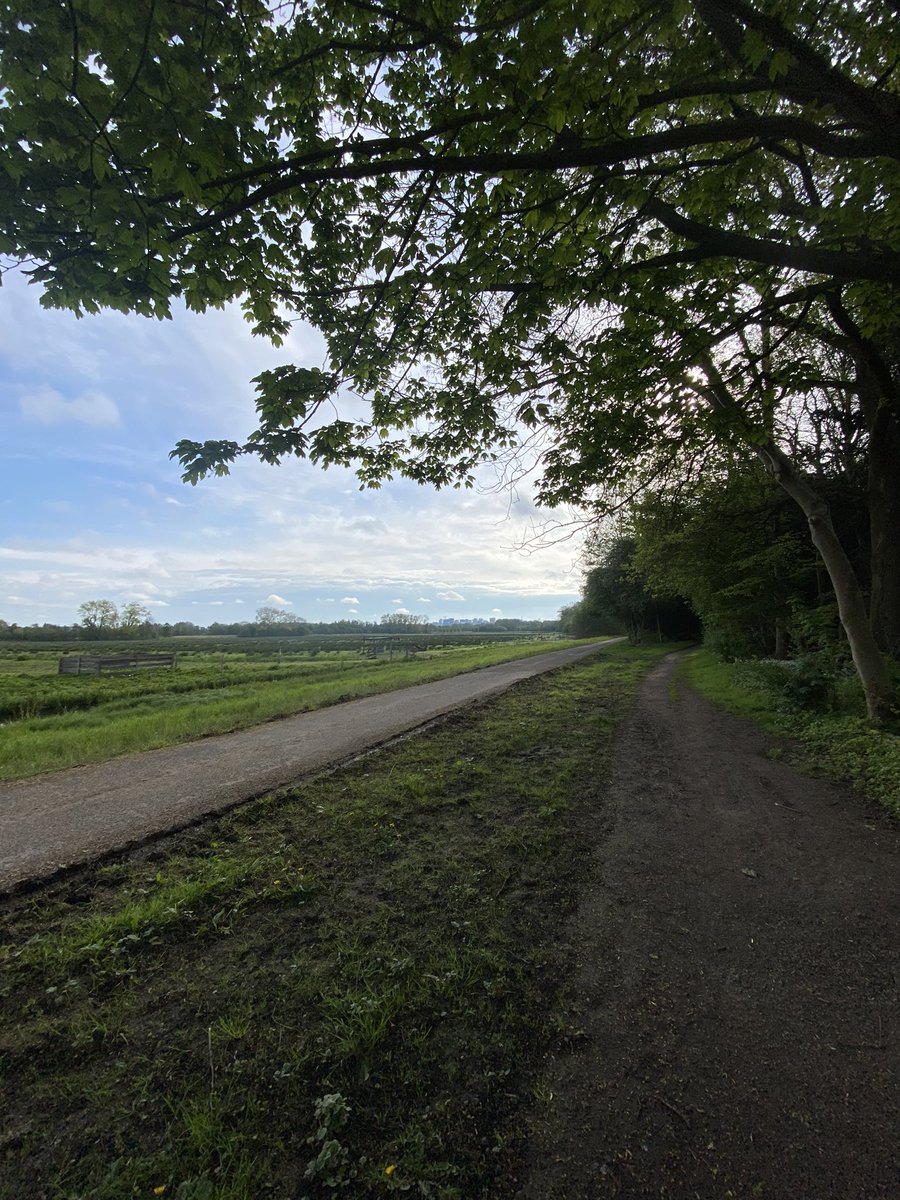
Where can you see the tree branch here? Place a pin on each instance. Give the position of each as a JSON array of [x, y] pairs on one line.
[[722, 243]]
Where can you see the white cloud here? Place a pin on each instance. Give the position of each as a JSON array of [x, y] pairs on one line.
[[216, 603], [495, 612], [190, 378], [47, 406], [401, 612]]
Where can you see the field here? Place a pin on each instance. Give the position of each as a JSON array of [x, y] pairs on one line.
[[346, 992], [49, 721]]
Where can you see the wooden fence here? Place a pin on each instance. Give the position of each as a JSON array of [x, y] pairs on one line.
[[96, 664]]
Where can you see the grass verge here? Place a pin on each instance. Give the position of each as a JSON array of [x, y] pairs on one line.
[[348, 991], [128, 725], [847, 747]]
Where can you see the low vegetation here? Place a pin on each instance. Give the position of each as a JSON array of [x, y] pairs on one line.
[[815, 700], [53, 721], [347, 991]]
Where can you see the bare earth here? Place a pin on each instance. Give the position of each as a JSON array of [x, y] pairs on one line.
[[57, 821], [733, 967]]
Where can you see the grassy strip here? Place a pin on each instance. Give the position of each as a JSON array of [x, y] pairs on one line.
[[349, 989], [847, 747], [23, 697], [136, 723]]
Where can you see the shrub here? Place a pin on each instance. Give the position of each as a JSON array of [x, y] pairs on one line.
[[810, 683]]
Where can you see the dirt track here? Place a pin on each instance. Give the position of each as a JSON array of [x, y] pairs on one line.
[[60, 820], [733, 966]]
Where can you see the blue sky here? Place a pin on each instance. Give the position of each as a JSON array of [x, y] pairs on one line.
[[91, 507]]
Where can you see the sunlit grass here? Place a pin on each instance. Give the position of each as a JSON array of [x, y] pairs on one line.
[[132, 724]]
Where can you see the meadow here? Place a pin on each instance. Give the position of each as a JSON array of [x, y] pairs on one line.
[[49, 721]]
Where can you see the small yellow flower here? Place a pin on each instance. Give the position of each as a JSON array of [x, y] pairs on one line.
[[158, 1191], [391, 1169], [276, 883]]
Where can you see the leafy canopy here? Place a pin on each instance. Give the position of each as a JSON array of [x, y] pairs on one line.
[[502, 215]]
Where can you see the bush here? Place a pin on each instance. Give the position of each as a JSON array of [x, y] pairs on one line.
[[811, 683], [731, 641]]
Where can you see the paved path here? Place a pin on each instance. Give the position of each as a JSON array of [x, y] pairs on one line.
[[60, 820]]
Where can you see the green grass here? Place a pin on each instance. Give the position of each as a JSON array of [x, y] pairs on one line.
[[346, 992], [842, 743], [164, 708]]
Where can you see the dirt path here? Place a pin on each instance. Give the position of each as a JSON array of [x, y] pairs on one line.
[[61, 820], [733, 1008]]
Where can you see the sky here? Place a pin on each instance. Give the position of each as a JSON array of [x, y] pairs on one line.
[[92, 508]]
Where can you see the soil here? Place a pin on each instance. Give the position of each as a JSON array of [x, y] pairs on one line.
[[732, 997]]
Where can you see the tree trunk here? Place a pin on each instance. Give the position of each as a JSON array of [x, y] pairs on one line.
[[867, 658], [781, 638], [884, 527], [876, 383]]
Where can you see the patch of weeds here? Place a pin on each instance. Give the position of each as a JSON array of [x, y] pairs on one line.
[[359, 1020], [854, 750], [331, 1162]]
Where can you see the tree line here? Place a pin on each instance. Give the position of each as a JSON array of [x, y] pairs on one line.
[[726, 557], [103, 620]]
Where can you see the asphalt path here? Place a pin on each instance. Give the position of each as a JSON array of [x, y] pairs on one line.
[[57, 821]]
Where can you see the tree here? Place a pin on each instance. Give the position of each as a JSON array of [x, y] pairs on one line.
[[404, 620], [99, 617], [133, 616], [733, 545], [543, 199], [612, 587], [270, 617]]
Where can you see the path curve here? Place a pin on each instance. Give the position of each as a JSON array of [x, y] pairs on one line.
[[62, 820]]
